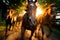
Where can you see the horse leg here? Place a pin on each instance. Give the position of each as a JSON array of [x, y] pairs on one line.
[[13, 24], [22, 33], [32, 31], [10, 26], [6, 31], [50, 30], [6, 27], [41, 26], [37, 32]]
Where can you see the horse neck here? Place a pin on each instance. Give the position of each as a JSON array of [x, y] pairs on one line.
[[31, 13]]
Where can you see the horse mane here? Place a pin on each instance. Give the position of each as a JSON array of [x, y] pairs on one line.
[[46, 15]]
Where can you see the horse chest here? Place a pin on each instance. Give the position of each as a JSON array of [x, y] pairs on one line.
[[29, 22]]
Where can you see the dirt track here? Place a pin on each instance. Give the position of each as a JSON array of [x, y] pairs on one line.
[[15, 34]]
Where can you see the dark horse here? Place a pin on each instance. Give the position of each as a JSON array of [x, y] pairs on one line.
[[9, 21], [29, 20], [9, 18]]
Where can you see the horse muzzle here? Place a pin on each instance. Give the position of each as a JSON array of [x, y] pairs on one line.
[[32, 21]]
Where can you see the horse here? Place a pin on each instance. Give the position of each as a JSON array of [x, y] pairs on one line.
[[9, 19], [29, 20], [46, 20], [18, 19]]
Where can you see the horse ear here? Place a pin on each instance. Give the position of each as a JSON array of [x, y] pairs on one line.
[[35, 1], [32, 1]]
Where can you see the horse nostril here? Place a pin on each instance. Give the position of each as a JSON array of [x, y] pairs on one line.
[[29, 19]]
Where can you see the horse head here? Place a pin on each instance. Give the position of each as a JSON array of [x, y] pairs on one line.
[[32, 14], [51, 13]]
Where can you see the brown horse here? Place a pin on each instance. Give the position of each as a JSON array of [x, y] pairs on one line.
[[46, 19], [29, 20], [9, 21]]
